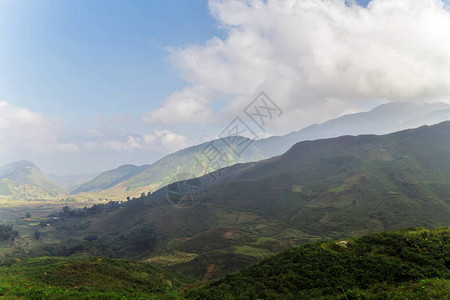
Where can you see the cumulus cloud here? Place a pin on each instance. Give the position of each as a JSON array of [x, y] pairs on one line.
[[94, 132], [23, 131], [188, 105], [160, 140], [317, 59], [167, 140]]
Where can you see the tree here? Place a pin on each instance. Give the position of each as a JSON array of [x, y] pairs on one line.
[[28, 215], [7, 232], [66, 210], [37, 235], [90, 237]]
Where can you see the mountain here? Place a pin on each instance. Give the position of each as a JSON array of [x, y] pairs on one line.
[[24, 180], [132, 180], [162, 172], [406, 264], [71, 181], [110, 178], [329, 188], [336, 185], [383, 119]]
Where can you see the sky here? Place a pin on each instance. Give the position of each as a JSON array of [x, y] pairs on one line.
[[89, 85]]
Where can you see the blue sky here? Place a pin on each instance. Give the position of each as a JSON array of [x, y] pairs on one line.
[[88, 85], [73, 59], [76, 59]]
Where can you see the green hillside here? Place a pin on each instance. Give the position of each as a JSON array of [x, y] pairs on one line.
[[84, 278], [24, 180], [164, 171], [328, 188], [348, 185], [110, 178], [131, 181], [407, 264]]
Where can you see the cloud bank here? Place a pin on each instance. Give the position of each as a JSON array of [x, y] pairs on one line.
[[317, 59], [23, 131], [161, 140]]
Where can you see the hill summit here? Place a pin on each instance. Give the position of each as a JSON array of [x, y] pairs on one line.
[[24, 180]]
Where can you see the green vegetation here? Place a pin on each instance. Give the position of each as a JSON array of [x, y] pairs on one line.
[[84, 278], [338, 189], [172, 259], [7, 232], [408, 264]]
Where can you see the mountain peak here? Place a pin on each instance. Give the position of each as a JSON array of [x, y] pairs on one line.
[[20, 164], [25, 173], [14, 167]]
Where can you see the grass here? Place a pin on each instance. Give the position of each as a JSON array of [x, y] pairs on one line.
[[338, 189], [252, 251], [84, 278], [177, 257]]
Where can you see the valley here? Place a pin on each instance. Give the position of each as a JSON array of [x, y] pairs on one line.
[[245, 213], [318, 190]]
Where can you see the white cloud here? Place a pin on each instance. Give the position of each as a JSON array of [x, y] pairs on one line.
[[168, 140], [23, 131], [94, 132], [188, 106], [161, 140], [132, 143], [316, 59], [67, 148]]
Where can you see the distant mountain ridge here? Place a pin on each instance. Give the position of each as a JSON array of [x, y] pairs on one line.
[[69, 182], [151, 177], [328, 188], [110, 178], [382, 119], [25, 180]]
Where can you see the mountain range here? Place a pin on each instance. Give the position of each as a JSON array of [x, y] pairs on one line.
[[328, 188], [132, 180], [70, 182]]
